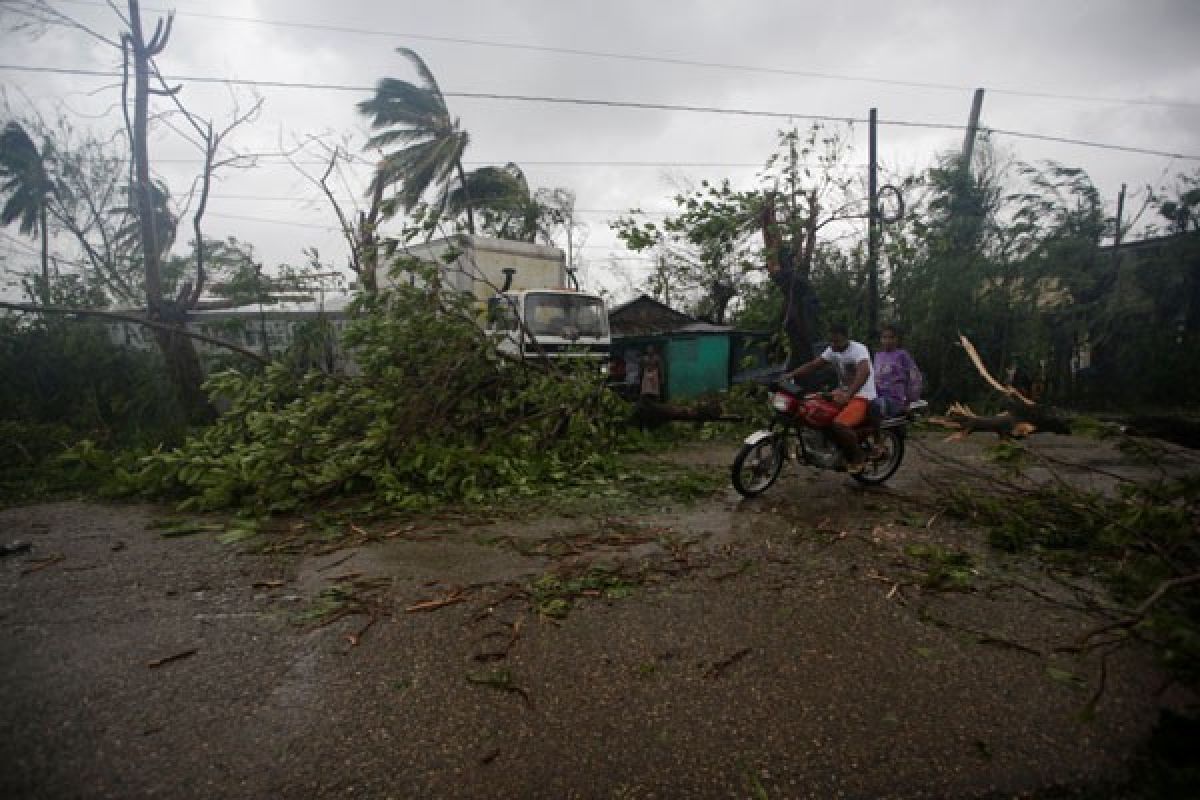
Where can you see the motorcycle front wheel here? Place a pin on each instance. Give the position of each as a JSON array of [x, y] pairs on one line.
[[884, 462], [758, 465]]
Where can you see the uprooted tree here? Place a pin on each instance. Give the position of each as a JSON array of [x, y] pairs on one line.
[[492, 429]]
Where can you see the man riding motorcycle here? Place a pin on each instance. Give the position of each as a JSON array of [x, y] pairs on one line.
[[855, 392]]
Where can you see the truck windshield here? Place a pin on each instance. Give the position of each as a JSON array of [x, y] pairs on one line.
[[568, 315]]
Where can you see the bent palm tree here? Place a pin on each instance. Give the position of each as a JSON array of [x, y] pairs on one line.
[[502, 195], [25, 178], [416, 116]]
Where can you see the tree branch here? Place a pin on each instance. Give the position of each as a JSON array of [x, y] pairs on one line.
[[116, 315]]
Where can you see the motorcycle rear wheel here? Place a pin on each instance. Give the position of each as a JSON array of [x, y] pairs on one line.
[[757, 466], [882, 466]]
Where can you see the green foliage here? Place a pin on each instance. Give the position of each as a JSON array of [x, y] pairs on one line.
[[1010, 260], [554, 595], [432, 415], [944, 569], [703, 248], [1134, 540], [69, 398]]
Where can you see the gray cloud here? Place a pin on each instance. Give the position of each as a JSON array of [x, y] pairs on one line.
[[1101, 49]]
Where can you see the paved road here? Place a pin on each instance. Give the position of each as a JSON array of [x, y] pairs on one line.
[[777, 648]]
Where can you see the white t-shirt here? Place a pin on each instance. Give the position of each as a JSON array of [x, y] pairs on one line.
[[846, 364]]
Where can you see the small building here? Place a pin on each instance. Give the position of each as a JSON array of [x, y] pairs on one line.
[[698, 358]]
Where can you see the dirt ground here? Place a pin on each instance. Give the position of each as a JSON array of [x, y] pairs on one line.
[[781, 647]]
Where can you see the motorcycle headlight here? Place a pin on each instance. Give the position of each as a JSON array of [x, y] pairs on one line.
[[783, 403]]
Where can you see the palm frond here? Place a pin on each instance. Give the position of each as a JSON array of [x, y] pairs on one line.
[[405, 136], [423, 70], [397, 102]]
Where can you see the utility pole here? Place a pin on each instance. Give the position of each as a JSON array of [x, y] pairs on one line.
[[1116, 254], [872, 229], [1117, 232], [972, 128]]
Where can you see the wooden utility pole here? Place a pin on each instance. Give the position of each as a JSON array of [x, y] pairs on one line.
[[972, 129], [872, 228], [1117, 231]]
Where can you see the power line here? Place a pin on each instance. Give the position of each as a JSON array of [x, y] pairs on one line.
[[519, 162], [821, 75], [292, 199], [626, 104]]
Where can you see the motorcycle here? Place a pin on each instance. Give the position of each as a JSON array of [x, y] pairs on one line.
[[802, 426]]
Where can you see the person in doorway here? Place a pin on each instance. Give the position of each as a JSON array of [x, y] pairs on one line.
[[897, 378], [855, 392], [651, 369]]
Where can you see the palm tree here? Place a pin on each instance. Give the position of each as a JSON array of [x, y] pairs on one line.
[[26, 179], [502, 194], [416, 117]]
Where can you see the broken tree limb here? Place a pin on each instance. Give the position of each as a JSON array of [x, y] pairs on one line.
[[1021, 418], [1009, 391], [961, 419]]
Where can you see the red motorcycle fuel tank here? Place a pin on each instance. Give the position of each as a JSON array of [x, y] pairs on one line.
[[819, 412]]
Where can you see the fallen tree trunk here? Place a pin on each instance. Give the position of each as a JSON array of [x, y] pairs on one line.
[[652, 413], [1023, 416]]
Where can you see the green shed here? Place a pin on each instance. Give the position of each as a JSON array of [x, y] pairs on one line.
[[696, 358]]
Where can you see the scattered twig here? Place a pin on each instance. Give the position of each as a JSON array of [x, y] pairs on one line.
[[356, 637], [981, 637], [158, 662], [42, 563], [339, 562], [436, 603], [717, 667]]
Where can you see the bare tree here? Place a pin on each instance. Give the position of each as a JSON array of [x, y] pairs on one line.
[[360, 227]]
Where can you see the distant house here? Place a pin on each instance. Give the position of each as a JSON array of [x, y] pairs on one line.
[[698, 358]]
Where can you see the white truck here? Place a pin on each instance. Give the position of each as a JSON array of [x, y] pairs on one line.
[[522, 295], [519, 290]]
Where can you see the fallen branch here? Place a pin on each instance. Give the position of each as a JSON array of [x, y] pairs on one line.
[[1139, 613], [1023, 417], [435, 604], [1008, 391]]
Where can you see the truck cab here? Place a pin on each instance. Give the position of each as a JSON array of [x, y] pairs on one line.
[[550, 323]]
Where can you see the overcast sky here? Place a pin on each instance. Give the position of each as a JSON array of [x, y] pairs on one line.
[[1116, 72]]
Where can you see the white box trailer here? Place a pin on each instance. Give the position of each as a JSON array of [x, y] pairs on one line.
[[478, 264], [522, 296]]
